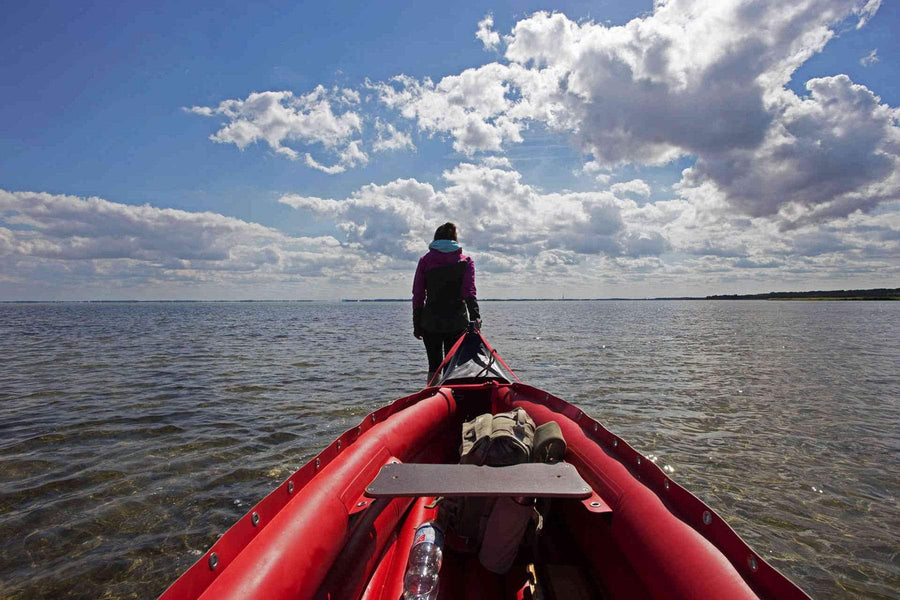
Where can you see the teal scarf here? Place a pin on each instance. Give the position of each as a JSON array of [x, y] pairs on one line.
[[445, 246]]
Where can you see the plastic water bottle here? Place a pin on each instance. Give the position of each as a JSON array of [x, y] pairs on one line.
[[421, 579]]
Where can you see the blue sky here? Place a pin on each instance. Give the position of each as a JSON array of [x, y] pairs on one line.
[[592, 149]]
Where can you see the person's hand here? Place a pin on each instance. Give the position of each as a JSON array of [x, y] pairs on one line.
[[417, 333], [477, 324]]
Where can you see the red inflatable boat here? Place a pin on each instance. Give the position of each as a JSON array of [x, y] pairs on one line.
[[613, 524]]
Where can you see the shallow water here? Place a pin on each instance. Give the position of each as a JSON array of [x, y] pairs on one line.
[[132, 435]]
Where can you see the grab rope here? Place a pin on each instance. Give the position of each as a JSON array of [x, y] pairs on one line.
[[488, 366]]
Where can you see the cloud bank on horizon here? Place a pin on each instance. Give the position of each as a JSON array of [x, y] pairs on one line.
[[779, 187]]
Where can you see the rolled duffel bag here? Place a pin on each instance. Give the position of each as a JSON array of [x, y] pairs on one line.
[[549, 444]]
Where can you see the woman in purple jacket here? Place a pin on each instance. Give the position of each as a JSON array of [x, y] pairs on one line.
[[443, 293]]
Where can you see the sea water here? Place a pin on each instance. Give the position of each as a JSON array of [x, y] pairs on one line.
[[133, 434]]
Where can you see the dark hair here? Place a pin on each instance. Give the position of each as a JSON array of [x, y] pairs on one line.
[[447, 231]]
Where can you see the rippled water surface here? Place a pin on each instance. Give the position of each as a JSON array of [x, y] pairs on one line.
[[132, 435]]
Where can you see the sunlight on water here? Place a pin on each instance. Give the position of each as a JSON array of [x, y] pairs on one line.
[[132, 435]]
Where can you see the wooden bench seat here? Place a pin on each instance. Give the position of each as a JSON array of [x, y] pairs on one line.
[[537, 480]]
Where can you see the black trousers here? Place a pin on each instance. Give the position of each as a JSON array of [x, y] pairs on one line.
[[437, 345]]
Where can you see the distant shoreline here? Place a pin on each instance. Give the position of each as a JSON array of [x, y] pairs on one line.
[[818, 295], [820, 299]]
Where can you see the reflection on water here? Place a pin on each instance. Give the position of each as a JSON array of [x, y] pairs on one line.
[[132, 435]]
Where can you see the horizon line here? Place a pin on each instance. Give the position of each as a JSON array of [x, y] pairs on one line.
[[884, 292]]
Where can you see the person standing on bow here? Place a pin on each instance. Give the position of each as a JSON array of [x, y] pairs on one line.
[[443, 293]]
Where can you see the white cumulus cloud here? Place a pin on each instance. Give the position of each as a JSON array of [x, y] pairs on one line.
[[780, 184], [497, 162], [351, 156], [513, 229], [827, 155], [471, 106], [485, 33], [390, 138], [281, 118], [495, 210], [694, 78], [87, 241], [638, 187]]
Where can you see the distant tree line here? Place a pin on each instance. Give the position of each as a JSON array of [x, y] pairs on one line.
[[874, 294]]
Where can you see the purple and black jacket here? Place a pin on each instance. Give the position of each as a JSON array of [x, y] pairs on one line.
[[444, 292]]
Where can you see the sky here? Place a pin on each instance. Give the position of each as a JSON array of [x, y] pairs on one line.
[[308, 150]]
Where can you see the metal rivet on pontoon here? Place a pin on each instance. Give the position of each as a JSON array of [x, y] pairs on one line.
[[213, 561], [595, 504], [339, 444], [751, 562], [254, 518], [318, 462], [596, 426], [361, 503], [373, 418], [667, 484], [707, 517], [639, 460], [291, 486], [615, 442]]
